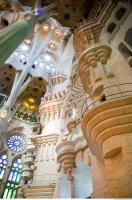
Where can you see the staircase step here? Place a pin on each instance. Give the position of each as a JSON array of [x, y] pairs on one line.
[[39, 186], [39, 191], [40, 197], [40, 194]]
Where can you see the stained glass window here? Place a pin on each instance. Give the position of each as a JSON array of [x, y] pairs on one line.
[[3, 164], [16, 143], [13, 179]]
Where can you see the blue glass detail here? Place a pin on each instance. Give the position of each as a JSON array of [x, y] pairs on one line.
[[14, 179], [16, 143], [3, 164]]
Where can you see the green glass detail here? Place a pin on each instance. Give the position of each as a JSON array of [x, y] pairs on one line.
[[20, 166], [5, 193], [3, 164], [12, 36], [10, 193], [13, 194], [18, 178], [13, 179], [15, 165]]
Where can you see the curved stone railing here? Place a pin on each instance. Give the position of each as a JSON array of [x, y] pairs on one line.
[[118, 91], [103, 124]]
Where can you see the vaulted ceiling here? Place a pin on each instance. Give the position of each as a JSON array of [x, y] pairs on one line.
[[71, 12]]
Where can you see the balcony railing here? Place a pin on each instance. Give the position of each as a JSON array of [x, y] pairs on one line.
[[111, 93]]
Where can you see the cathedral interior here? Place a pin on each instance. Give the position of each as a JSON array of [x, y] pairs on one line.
[[65, 99]]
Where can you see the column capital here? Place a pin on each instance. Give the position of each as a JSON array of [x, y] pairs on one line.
[[90, 66], [66, 156]]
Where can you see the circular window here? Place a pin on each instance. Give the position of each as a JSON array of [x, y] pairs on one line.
[[16, 143]]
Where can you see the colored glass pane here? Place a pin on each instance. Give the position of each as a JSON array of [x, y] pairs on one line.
[[5, 193], [16, 143], [10, 176], [3, 164], [18, 178], [13, 179]]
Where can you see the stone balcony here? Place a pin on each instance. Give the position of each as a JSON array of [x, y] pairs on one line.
[[106, 121], [107, 127]]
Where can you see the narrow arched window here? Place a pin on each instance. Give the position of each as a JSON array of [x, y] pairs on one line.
[[3, 164], [111, 27], [124, 50], [120, 13], [13, 179], [128, 37]]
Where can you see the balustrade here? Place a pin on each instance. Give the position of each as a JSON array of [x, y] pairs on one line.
[[112, 92]]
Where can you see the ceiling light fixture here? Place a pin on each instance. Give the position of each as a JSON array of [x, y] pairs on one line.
[[22, 56], [16, 53], [47, 57], [47, 67], [57, 33], [36, 62], [41, 64], [53, 70], [28, 41], [45, 27], [3, 113], [52, 46], [24, 47]]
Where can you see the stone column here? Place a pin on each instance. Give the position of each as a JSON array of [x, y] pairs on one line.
[[45, 165], [28, 164]]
